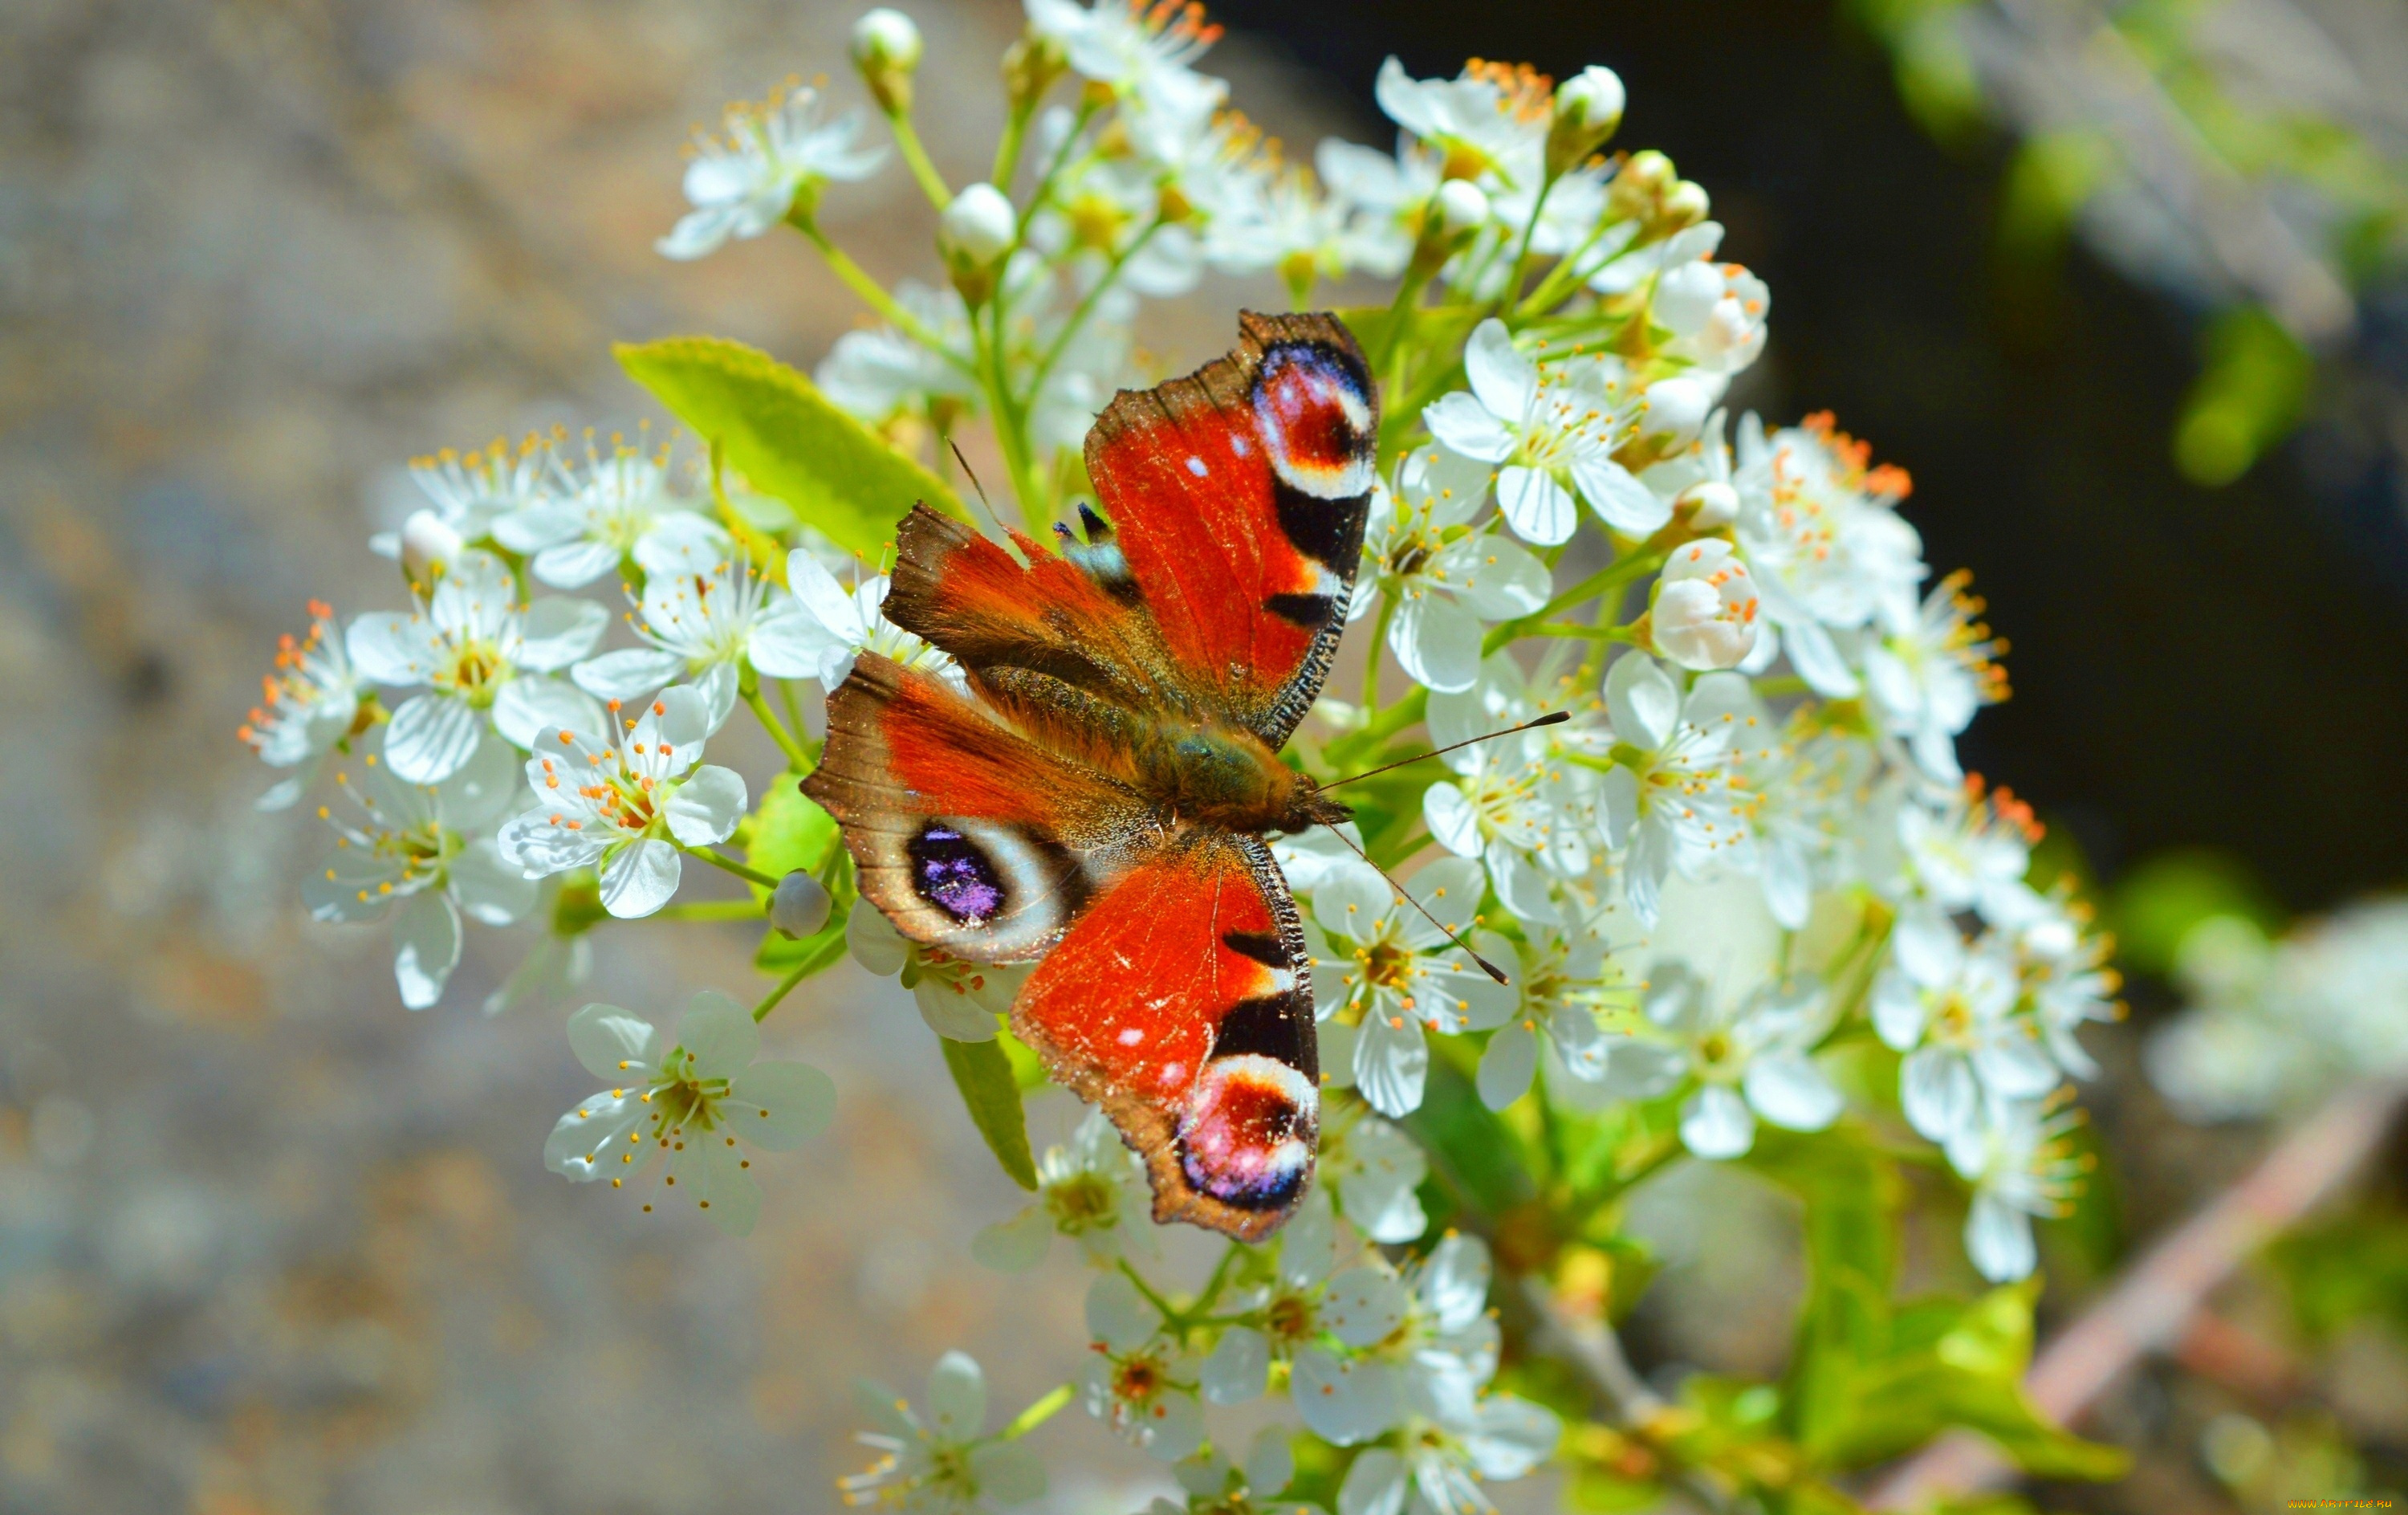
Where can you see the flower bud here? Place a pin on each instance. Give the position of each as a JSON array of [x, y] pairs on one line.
[[1677, 407], [428, 546], [1685, 205], [886, 49], [1641, 182], [1462, 207], [1588, 108], [1704, 610], [974, 233], [1711, 504], [800, 906], [1030, 66]]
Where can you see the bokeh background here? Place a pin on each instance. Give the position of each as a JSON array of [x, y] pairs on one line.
[[270, 1242]]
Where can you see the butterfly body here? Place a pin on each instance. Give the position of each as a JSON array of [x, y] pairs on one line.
[[1100, 796]]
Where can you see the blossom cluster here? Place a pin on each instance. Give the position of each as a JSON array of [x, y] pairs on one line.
[[1743, 882]]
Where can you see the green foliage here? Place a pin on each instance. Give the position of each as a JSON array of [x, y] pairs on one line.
[[2158, 904], [2249, 397], [991, 1092], [772, 424], [2345, 1271]]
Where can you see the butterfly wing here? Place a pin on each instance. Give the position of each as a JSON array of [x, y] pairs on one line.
[[969, 836], [1182, 1002], [1216, 584]]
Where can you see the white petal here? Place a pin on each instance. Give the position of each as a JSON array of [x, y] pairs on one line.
[[786, 643], [793, 1101], [1642, 701], [573, 565], [1717, 1123], [1541, 511], [719, 686], [874, 942], [540, 848], [1391, 1060], [952, 1013], [1505, 378], [617, 1045], [1464, 426], [1379, 1197], [1998, 1240], [1117, 1315], [1791, 1090], [706, 808], [957, 1397], [712, 1175], [1351, 899], [1496, 577], [583, 1141], [538, 526], [529, 705], [825, 600], [1270, 1463], [1017, 1245], [1616, 494], [1451, 819], [426, 946], [1506, 1067], [493, 891], [639, 879], [1364, 1304], [430, 738], [1343, 1401], [1898, 1010], [1379, 1482], [1511, 1435], [1436, 641], [1636, 1070], [389, 648], [1237, 1367], [557, 632], [629, 673], [1453, 1283], [1937, 1091]]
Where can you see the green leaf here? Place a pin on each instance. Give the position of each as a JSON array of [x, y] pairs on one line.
[[2249, 396], [791, 443], [982, 1072], [1443, 329], [789, 831]]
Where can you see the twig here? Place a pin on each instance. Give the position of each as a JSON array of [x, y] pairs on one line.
[[1591, 1346], [2151, 1309]]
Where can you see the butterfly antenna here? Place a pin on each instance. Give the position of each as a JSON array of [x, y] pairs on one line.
[[980, 489], [1485, 966], [1553, 718]]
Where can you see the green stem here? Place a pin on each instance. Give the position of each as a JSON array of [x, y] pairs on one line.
[[1564, 275], [1162, 1307], [1044, 188], [1587, 633], [730, 865], [797, 757], [1620, 571], [794, 721], [785, 986], [1011, 420], [710, 910], [1038, 1413], [1007, 152], [932, 184], [1198, 1312], [1506, 303], [873, 293], [1371, 658]]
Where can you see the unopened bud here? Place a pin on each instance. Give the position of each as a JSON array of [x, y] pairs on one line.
[[1711, 504], [1685, 205], [1645, 178], [974, 233], [1030, 66], [1462, 207], [1704, 609], [800, 906], [429, 545], [1588, 108], [1677, 407], [886, 49]]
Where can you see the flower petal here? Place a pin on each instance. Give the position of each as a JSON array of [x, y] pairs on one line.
[[426, 946], [1505, 378], [557, 630], [628, 673], [1364, 1304], [957, 1397], [1017, 1245], [1507, 1066], [1343, 1401], [431, 737], [1465, 426], [530, 705], [1541, 511], [1117, 1315], [1717, 1123], [617, 1045], [1792, 1091], [1642, 701], [793, 1101], [706, 808], [1237, 1367], [641, 878], [591, 1140]]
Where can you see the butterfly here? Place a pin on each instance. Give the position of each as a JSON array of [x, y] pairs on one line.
[[1102, 798]]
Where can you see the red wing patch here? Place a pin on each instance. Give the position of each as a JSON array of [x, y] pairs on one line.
[[1235, 500], [1180, 1003]]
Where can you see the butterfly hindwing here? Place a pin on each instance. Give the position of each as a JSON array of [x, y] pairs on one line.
[[968, 836], [1237, 500], [1182, 1002]]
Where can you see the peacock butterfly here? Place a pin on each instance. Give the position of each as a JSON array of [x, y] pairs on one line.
[[1103, 797]]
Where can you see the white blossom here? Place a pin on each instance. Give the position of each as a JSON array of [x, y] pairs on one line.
[[1952, 1011], [1675, 797], [846, 624], [1552, 437], [1215, 1485], [1489, 121], [1383, 196], [481, 654], [745, 180], [1517, 802], [945, 1464], [880, 373], [1442, 576], [1141, 51], [1374, 1169], [1391, 974], [1092, 1191], [1931, 670], [1567, 978], [690, 1103], [1741, 1057], [426, 856], [707, 628], [1139, 1381], [2019, 1159], [306, 707], [469, 492], [621, 507], [627, 807]]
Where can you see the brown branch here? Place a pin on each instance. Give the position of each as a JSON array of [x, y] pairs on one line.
[[2152, 1307]]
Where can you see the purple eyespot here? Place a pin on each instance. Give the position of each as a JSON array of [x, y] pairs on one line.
[[952, 873]]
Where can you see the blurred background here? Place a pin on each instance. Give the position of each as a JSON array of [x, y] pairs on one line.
[[2119, 284]]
